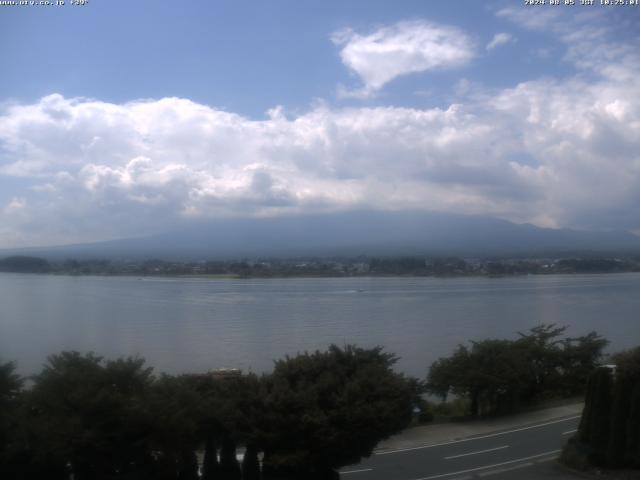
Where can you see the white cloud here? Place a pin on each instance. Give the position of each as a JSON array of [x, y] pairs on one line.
[[541, 19], [553, 151], [535, 152], [400, 49], [589, 38], [14, 206], [498, 39]]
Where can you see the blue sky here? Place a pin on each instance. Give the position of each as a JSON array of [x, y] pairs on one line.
[[124, 118], [242, 56]]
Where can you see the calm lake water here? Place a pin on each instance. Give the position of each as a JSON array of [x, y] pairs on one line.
[[196, 324]]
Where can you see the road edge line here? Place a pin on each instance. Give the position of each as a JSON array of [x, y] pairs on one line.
[[469, 439]]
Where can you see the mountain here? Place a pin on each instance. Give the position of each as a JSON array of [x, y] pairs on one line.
[[351, 233]]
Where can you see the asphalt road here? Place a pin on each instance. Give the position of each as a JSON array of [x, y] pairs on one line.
[[489, 455]]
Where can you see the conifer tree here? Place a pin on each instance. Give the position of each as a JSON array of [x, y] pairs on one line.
[[188, 466], [210, 466], [632, 449], [229, 466], [250, 464], [601, 415], [586, 421], [620, 409]]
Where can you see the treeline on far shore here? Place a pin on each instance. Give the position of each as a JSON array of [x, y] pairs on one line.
[[84, 417], [328, 267]]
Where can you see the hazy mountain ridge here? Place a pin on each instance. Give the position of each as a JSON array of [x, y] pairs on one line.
[[351, 233]]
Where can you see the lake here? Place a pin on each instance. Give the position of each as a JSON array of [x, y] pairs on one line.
[[186, 324]]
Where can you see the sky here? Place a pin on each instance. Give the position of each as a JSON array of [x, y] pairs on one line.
[[122, 119]]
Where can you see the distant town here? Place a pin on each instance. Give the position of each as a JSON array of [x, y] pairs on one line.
[[328, 267]]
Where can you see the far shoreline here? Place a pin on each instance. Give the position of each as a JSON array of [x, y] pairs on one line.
[[310, 277]]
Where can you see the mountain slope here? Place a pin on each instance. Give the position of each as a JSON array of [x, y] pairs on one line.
[[351, 233]]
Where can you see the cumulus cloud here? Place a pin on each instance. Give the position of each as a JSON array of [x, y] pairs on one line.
[[77, 169], [499, 39], [535, 152], [400, 49]]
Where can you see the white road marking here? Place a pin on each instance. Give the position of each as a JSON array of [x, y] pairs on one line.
[[544, 460], [356, 471], [503, 470], [477, 438], [569, 432], [442, 475], [476, 453]]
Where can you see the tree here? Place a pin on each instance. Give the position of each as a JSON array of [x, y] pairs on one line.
[[210, 466], [597, 435], [240, 409], [329, 409], [490, 374], [542, 348], [86, 413], [628, 371], [610, 425], [497, 375], [229, 466], [230, 410], [620, 413], [632, 448], [449, 375], [24, 264], [580, 356], [173, 412], [10, 390], [250, 464]]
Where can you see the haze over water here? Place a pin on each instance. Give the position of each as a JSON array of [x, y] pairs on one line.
[[194, 325]]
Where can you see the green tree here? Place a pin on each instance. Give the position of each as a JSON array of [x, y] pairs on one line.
[[173, 414], [24, 264], [580, 356], [250, 463], [240, 408], [10, 390], [602, 403], [628, 425], [497, 375], [609, 431], [210, 466], [205, 401], [85, 413], [325, 410], [620, 413], [490, 374], [229, 466], [595, 425], [542, 348], [632, 448], [230, 411]]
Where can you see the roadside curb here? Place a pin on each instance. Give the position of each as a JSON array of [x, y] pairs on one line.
[[429, 435]]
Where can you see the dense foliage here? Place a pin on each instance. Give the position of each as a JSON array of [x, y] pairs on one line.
[[329, 409], [609, 433], [94, 419], [98, 419], [499, 375]]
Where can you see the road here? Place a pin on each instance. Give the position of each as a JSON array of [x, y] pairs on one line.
[[487, 455]]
